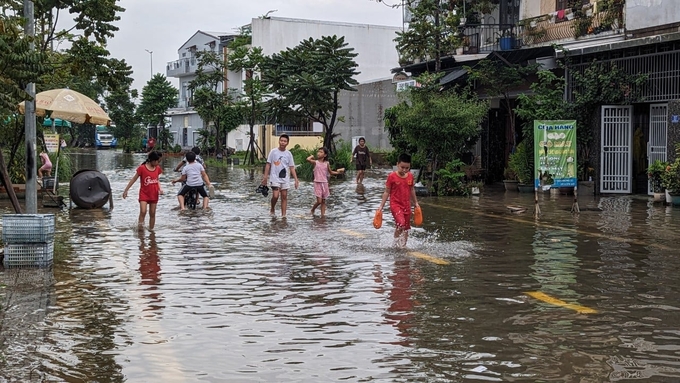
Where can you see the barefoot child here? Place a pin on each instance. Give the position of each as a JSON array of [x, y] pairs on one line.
[[46, 168], [149, 189], [321, 171], [363, 158], [401, 192]]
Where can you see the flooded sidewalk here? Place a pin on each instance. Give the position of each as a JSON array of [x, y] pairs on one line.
[[234, 295]]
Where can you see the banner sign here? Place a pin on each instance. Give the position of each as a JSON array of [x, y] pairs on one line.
[[555, 153], [52, 142]]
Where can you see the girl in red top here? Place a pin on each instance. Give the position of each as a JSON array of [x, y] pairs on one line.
[[150, 188], [401, 192]]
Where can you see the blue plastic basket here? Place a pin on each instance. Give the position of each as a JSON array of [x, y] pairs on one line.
[[27, 228]]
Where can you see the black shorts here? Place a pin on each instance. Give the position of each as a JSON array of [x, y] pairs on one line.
[[361, 166], [200, 189]]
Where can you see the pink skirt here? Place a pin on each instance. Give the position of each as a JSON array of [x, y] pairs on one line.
[[321, 190]]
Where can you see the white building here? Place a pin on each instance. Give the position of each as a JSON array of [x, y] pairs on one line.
[[374, 45], [185, 120]]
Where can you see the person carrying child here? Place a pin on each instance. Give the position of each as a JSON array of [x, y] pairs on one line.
[[193, 174], [322, 170], [149, 189], [401, 192]]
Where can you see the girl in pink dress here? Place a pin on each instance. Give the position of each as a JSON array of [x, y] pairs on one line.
[[46, 168], [149, 189], [321, 172]]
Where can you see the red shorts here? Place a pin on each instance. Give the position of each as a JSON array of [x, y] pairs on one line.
[[402, 217]]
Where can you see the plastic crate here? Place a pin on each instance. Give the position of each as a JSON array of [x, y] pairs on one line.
[[48, 183], [27, 228], [28, 255]]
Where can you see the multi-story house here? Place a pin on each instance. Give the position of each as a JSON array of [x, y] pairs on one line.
[[185, 121], [638, 36], [376, 56]]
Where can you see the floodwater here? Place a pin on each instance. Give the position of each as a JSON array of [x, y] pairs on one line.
[[233, 295]]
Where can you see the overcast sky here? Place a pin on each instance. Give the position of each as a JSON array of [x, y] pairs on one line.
[[162, 26]]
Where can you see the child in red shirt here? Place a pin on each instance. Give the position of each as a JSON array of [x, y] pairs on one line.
[[149, 189], [401, 192]]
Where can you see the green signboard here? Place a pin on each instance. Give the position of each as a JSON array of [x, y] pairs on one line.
[[555, 153]]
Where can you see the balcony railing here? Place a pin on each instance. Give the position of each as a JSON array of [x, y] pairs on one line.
[[295, 130], [486, 38], [574, 24]]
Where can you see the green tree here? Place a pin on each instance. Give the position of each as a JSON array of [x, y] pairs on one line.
[[213, 105], [121, 106], [499, 78], [431, 31], [308, 79], [440, 125], [250, 60], [158, 95]]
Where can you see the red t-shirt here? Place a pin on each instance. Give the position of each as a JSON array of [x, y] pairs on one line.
[[400, 190], [149, 187], [151, 142]]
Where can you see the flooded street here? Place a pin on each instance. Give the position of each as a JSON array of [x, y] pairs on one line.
[[233, 295]]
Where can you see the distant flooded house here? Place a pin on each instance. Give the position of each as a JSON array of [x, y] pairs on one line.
[[639, 37]]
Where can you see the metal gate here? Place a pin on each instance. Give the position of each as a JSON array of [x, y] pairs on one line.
[[617, 159], [658, 135]]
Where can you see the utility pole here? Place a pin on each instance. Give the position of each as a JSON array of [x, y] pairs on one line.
[[151, 58], [29, 123]]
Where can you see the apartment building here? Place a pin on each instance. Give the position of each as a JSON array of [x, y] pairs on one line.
[[376, 56]]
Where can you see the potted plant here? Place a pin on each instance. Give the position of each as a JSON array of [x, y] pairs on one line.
[[655, 173], [506, 39], [521, 162], [510, 179], [670, 179]]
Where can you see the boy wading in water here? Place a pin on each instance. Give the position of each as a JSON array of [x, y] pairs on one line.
[[363, 157], [401, 192], [280, 165], [322, 169]]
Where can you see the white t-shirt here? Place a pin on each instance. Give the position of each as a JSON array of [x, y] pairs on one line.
[[279, 161], [193, 172]]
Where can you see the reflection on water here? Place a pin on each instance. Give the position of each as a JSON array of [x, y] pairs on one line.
[[235, 295]]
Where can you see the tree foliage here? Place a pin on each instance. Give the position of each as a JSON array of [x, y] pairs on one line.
[[252, 100], [121, 106], [212, 104], [498, 78], [308, 79], [430, 33], [438, 125], [158, 95]]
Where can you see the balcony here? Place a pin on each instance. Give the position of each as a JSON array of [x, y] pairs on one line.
[[486, 38], [573, 24], [182, 67]]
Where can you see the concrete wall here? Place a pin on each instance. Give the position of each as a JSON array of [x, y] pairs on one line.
[[364, 111], [192, 122], [641, 14], [375, 45]]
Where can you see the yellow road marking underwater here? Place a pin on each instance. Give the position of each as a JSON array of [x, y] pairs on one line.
[[557, 302], [353, 233], [429, 258]]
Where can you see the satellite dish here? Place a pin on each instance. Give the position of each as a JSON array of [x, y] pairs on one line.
[[90, 189]]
